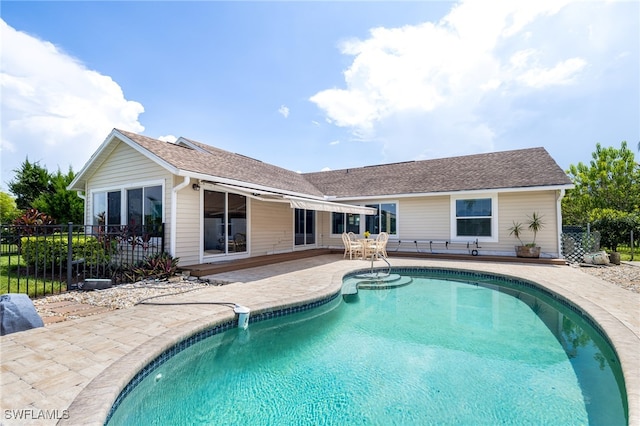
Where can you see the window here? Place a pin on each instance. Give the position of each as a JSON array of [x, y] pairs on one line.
[[106, 208], [114, 203], [383, 221], [345, 222], [225, 222], [474, 217], [142, 207], [305, 227]]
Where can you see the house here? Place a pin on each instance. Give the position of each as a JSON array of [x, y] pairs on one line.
[[217, 205]]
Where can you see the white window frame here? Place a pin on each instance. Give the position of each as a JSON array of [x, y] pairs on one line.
[[344, 223], [363, 222], [315, 230], [123, 197], [494, 217]]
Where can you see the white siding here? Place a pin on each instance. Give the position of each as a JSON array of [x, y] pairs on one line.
[[517, 206], [271, 228], [126, 168], [188, 226], [323, 231], [426, 218], [429, 218]]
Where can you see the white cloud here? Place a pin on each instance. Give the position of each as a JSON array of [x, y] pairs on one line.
[[562, 73], [336, 142], [54, 109], [168, 138], [444, 73], [284, 111]]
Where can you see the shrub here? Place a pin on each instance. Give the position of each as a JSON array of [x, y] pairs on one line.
[[45, 251], [160, 265], [615, 226], [32, 221]]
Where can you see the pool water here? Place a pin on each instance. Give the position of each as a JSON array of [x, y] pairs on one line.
[[436, 351]]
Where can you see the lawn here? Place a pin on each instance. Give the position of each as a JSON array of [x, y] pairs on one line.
[[627, 254], [14, 280]]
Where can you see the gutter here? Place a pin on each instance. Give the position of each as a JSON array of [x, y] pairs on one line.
[[471, 192]]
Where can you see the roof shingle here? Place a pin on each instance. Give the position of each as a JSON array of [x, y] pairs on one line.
[[219, 163], [523, 168]]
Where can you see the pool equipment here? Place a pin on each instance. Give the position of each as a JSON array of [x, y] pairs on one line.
[[243, 316]]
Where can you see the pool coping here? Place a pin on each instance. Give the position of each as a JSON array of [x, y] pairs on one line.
[[279, 286]]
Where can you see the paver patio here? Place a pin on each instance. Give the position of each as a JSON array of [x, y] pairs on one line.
[[73, 370]]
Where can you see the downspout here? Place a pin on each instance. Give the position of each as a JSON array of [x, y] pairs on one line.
[[174, 210], [84, 201], [559, 220]]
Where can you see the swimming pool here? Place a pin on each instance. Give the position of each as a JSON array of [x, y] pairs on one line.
[[448, 347]]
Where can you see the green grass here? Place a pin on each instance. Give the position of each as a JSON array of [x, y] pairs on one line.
[[10, 282], [625, 253]]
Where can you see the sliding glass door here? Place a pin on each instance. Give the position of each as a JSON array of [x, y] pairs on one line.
[[305, 227], [225, 223]]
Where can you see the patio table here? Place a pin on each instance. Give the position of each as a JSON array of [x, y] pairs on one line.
[[367, 250]]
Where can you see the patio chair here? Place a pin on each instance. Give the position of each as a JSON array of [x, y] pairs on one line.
[[351, 247], [239, 242], [379, 246]]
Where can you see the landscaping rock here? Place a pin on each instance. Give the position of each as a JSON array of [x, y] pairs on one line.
[[17, 313]]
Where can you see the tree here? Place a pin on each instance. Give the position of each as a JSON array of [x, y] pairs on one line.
[[8, 209], [58, 202], [31, 180], [610, 181], [614, 226]]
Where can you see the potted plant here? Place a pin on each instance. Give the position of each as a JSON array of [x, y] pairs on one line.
[[534, 224]]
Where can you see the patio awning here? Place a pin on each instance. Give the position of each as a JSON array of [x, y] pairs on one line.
[[298, 202], [327, 206]]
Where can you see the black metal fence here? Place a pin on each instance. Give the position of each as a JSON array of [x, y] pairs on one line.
[[47, 259]]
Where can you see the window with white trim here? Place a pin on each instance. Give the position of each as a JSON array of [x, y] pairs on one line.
[[141, 207], [345, 222], [384, 220], [474, 218]]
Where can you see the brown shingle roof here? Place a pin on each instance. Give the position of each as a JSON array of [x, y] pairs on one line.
[[522, 168], [224, 164]]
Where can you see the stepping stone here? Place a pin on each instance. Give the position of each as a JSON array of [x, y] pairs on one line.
[[59, 304], [90, 311], [52, 320], [73, 308]]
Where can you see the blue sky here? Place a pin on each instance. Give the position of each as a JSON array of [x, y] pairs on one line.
[[319, 85]]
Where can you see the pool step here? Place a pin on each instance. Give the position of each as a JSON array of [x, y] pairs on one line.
[[374, 282], [383, 284]]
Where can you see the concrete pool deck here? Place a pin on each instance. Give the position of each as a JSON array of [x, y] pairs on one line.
[[71, 372]]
